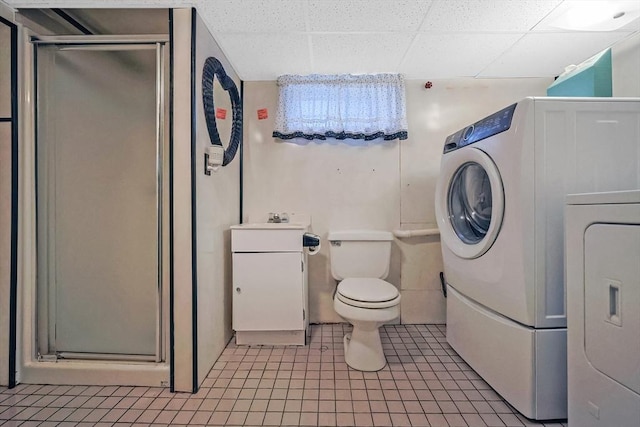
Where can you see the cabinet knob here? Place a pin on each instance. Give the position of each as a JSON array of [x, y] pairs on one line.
[[238, 290]]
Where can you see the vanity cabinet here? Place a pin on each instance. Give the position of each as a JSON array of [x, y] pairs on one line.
[[270, 301]]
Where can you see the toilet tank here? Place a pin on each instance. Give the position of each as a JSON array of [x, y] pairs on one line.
[[360, 253]]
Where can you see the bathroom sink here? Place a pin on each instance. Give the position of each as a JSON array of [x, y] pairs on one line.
[[267, 237], [269, 226]]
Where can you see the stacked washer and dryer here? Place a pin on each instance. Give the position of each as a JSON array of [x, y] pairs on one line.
[[500, 208]]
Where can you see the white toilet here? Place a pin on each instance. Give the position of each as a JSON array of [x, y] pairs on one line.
[[360, 260]]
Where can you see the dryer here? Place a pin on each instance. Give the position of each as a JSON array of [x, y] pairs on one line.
[[603, 308], [499, 206]]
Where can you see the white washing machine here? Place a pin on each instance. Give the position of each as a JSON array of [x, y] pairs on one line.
[[499, 205], [603, 308]]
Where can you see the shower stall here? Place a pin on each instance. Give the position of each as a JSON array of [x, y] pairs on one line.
[[96, 189], [123, 241]]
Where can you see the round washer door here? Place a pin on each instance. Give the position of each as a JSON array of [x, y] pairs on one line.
[[469, 202]]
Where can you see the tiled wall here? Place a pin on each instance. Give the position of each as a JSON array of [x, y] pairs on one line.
[[383, 186]]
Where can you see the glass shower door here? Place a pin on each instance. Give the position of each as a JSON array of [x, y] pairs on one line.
[[99, 200]]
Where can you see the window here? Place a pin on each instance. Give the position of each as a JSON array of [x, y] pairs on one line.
[[364, 107]]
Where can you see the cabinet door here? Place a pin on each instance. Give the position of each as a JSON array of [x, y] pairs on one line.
[[267, 291]]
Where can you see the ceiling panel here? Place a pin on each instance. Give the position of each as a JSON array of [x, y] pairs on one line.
[[547, 54], [436, 38], [267, 56], [358, 53], [256, 16], [366, 15], [602, 15], [454, 55], [487, 15]]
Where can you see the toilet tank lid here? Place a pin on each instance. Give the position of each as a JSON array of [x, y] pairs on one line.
[[360, 235]]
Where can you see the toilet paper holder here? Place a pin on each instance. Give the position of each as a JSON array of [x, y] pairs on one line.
[[311, 241]]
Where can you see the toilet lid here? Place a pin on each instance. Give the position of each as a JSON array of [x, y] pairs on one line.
[[367, 290]]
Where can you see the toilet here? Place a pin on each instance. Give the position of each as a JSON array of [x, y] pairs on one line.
[[360, 261]]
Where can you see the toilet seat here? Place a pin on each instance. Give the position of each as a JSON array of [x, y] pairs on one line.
[[367, 293]]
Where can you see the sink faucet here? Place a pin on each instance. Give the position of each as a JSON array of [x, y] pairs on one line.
[[274, 217], [278, 218]]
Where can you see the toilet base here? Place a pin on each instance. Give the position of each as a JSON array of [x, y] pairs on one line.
[[363, 349]]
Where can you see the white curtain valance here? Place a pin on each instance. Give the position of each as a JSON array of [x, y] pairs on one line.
[[364, 107]]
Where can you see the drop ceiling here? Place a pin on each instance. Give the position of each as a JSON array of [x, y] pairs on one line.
[[422, 39]]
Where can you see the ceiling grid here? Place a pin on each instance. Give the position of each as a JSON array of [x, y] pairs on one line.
[[422, 39]]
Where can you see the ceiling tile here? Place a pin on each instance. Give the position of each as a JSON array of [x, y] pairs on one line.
[[254, 15], [547, 54], [603, 20], [454, 55], [419, 38], [487, 15], [266, 56], [366, 15], [358, 53]]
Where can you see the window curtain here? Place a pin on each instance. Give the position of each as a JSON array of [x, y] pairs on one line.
[[364, 107]]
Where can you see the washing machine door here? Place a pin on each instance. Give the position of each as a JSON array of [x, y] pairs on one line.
[[469, 202]]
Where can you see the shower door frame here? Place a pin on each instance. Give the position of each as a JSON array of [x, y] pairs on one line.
[[9, 279], [44, 320]]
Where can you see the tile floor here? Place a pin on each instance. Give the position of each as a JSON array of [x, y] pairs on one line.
[[424, 384]]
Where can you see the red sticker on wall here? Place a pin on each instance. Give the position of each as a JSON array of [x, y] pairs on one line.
[[221, 113], [263, 113]]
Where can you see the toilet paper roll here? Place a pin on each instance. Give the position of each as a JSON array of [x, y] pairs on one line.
[[312, 250]]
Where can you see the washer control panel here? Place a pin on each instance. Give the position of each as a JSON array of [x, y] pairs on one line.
[[491, 125]]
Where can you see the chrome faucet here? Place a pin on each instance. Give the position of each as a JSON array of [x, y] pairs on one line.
[[278, 218]]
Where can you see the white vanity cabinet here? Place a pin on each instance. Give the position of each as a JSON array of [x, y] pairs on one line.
[[270, 301]]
